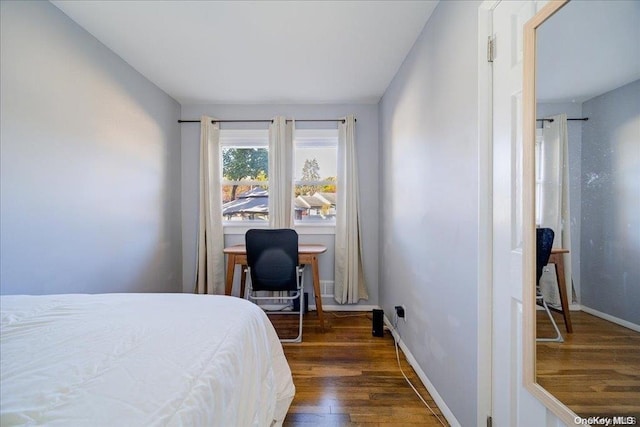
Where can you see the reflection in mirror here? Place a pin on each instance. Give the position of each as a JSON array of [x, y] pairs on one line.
[[587, 190]]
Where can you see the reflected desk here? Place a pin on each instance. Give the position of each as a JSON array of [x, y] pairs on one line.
[[557, 259], [307, 255]]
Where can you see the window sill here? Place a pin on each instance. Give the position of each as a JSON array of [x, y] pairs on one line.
[[302, 229]]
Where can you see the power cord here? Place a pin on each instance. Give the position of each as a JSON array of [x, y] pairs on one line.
[[395, 328]]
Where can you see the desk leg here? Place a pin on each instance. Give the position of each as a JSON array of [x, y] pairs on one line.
[[231, 266], [316, 290], [558, 261], [243, 279]]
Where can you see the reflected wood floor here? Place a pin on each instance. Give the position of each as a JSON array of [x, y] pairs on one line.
[[347, 377], [596, 371]]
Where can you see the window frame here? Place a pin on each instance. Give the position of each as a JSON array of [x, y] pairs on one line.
[[259, 138], [315, 138], [242, 138]]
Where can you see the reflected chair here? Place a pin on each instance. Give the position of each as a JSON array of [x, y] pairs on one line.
[[544, 244], [272, 260]]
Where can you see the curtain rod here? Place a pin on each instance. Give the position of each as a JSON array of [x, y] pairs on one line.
[[263, 121], [584, 119]]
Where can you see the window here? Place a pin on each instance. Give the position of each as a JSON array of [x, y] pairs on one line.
[[550, 168], [315, 176], [245, 176]]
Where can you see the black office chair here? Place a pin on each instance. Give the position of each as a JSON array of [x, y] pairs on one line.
[[544, 244], [272, 260]]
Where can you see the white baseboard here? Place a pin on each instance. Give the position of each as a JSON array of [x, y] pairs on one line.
[[423, 377], [611, 318], [325, 307], [345, 307], [572, 307]]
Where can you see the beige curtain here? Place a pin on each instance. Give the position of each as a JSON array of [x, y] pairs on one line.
[[281, 173], [349, 285], [210, 267], [553, 197]]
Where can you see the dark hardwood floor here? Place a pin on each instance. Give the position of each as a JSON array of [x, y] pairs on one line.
[[346, 377], [596, 371]]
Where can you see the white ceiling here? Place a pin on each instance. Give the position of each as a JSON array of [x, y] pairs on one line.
[[588, 48], [259, 51]]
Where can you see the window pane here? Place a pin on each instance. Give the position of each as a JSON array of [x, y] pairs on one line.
[[242, 198], [245, 202], [315, 202], [315, 174], [315, 163], [240, 164]]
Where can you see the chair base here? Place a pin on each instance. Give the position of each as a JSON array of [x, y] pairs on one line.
[[297, 295], [558, 337]]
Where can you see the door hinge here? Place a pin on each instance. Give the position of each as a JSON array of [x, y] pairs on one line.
[[491, 48], [489, 422]]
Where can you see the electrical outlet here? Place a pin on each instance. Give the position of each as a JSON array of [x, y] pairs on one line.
[[401, 312]]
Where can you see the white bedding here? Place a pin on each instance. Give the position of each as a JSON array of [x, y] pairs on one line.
[[140, 360]]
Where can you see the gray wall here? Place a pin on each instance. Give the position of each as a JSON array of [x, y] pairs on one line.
[[429, 221], [611, 203], [90, 190], [367, 147], [574, 131]]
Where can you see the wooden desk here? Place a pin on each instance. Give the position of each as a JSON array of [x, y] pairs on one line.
[[307, 255], [557, 259]]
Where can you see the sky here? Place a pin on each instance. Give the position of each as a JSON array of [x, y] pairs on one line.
[[326, 157]]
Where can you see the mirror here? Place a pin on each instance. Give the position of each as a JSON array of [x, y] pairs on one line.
[[584, 184]]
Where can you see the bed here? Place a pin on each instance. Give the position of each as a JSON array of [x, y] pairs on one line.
[[140, 360]]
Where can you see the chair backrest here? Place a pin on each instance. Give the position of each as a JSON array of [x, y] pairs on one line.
[[544, 244], [272, 256]]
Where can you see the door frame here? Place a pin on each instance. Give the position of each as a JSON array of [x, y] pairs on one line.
[[485, 215], [485, 231]]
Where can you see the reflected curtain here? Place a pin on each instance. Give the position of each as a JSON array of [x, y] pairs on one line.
[[349, 285], [553, 195], [281, 172], [210, 258]]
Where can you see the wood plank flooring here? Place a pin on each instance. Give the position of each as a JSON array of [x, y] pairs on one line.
[[346, 377], [596, 371]]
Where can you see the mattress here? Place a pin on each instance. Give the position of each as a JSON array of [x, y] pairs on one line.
[[140, 360]]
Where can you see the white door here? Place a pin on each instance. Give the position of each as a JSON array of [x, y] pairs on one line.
[[512, 404]]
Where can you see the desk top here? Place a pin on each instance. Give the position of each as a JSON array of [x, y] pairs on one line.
[[302, 248], [559, 251]]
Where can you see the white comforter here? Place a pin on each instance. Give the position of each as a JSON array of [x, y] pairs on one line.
[[140, 360]]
